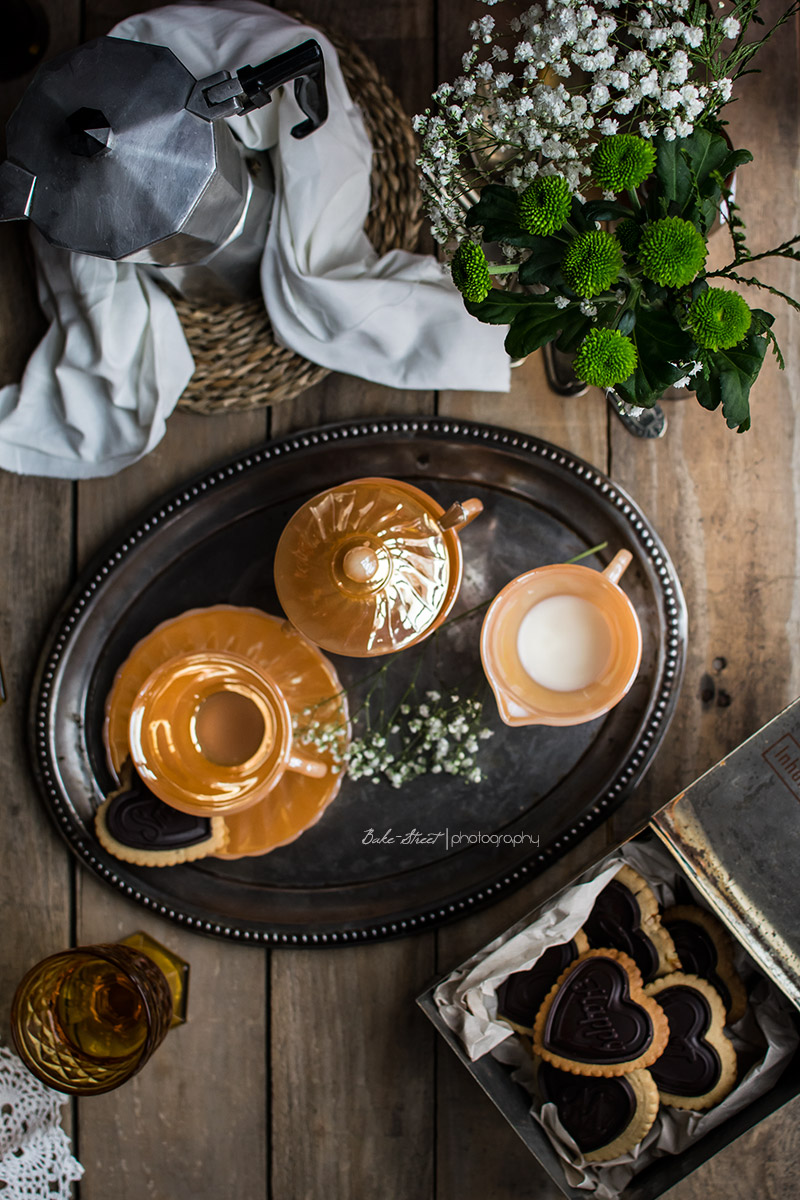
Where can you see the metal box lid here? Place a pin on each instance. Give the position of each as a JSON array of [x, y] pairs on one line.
[[736, 832]]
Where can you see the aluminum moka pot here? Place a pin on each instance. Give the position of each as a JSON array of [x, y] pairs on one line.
[[117, 151]]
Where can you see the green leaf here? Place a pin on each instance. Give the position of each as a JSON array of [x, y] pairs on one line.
[[691, 172], [546, 253], [577, 216], [499, 307], [730, 376], [736, 158], [673, 175], [497, 212], [534, 325], [704, 152], [575, 328], [659, 342], [605, 210], [763, 318], [497, 203]]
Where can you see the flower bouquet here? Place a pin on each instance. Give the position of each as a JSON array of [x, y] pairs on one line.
[[575, 171]]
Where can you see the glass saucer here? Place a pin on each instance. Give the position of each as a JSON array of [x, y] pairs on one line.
[[300, 669]]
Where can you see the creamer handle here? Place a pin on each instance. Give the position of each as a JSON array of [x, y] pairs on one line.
[[618, 565], [460, 514]]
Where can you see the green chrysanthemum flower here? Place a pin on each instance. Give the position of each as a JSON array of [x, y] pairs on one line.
[[671, 252], [719, 319], [470, 272], [628, 233], [592, 263], [605, 358], [623, 161], [544, 205]]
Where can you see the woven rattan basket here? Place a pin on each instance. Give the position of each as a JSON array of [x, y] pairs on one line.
[[238, 363]]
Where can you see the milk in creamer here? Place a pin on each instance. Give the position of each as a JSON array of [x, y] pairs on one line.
[[564, 643]]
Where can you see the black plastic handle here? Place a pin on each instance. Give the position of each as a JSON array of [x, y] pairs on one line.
[[306, 66]]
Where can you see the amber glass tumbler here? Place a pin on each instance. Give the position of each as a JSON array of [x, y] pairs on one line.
[[85, 1020]]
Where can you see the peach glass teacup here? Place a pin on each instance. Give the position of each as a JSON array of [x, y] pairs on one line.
[[211, 734], [561, 645]]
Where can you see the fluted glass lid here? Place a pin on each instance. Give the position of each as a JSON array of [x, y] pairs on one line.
[[366, 567]]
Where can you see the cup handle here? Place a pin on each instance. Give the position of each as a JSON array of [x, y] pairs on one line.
[[460, 514], [618, 565], [306, 766]]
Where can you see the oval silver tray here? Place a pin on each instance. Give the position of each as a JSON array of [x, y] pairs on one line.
[[439, 847]]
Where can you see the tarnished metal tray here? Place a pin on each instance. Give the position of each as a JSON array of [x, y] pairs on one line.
[[439, 846]]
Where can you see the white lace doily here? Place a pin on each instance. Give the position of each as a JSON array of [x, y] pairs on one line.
[[35, 1158]]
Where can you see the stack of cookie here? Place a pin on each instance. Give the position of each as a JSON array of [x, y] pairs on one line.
[[629, 1015]]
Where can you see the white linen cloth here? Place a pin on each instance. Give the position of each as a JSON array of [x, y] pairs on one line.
[[98, 389]]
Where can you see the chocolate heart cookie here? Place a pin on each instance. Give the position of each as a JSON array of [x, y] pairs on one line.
[[605, 1117], [705, 949], [520, 996], [597, 1020], [137, 827], [626, 916], [698, 1066]]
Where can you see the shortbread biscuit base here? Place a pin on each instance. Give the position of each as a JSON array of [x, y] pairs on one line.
[[650, 921], [636, 994], [640, 1124], [159, 858], [714, 1035], [647, 1100], [724, 947]]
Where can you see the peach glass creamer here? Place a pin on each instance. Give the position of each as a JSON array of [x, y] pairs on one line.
[[211, 734], [371, 566], [561, 644]]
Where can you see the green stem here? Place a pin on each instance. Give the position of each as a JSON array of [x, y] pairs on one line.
[[502, 268], [634, 199]]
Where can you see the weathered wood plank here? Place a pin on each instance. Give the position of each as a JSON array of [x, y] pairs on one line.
[[352, 1073], [35, 549], [578, 423]]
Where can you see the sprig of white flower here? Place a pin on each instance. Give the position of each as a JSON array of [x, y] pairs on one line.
[[571, 74], [441, 734]]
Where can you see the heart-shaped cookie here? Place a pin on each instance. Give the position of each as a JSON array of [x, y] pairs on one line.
[[626, 916], [605, 1117], [597, 1020], [698, 1066], [137, 827], [705, 949], [519, 997]]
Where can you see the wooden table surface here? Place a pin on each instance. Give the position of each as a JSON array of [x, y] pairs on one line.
[[311, 1075]]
